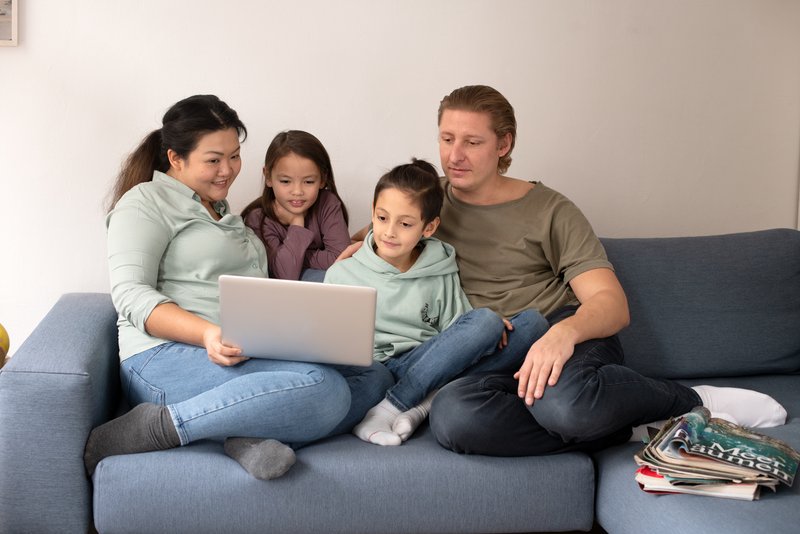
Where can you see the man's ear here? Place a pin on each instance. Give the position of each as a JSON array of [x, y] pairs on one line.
[[504, 144], [175, 161], [431, 227]]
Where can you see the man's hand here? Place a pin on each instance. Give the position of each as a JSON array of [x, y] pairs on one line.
[[603, 312], [349, 250], [544, 362]]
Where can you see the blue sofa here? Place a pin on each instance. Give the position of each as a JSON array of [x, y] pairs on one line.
[[722, 310]]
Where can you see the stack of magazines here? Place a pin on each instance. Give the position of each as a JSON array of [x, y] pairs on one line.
[[698, 454]]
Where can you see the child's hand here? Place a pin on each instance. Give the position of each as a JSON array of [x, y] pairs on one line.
[[286, 217], [504, 339]]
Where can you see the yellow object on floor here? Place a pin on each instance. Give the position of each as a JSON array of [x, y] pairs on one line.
[[5, 344]]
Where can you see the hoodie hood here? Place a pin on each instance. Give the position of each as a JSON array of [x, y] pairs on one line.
[[436, 259], [413, 306]]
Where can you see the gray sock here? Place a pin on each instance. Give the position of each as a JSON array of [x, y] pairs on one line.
[[265, 459], [147, 427]]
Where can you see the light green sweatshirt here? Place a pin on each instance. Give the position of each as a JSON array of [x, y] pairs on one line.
[[163, 246], [412, 306]]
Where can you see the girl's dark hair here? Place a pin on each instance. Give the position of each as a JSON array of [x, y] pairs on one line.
[[306, 146], [418, 179], [181, 129]]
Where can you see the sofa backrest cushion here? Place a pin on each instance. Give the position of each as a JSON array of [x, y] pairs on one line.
[[712, 306]]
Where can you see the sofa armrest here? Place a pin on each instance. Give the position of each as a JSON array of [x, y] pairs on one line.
[[62, 381]]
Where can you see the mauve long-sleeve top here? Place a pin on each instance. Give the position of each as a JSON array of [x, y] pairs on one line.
[[316, 245]]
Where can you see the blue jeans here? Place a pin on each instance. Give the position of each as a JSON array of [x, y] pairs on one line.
[[312, 275], [469, 345], [292, 402], [368, 387], [594, 404]]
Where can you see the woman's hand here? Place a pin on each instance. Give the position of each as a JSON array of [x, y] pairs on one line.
[[218, 352], [170, 321]]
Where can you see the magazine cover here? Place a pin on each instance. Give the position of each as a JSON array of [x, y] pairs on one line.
[[723, 441], [698, 454]]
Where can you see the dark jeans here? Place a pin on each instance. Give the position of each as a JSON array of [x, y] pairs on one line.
[[594, 405], [467, 346]]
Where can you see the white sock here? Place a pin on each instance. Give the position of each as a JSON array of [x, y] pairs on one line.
[[742, 406], [377, 425], [408, 421]]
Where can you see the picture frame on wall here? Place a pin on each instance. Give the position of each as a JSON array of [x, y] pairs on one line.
[[8, 22]]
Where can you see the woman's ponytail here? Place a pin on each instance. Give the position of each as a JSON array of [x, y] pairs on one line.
[[139, 166]]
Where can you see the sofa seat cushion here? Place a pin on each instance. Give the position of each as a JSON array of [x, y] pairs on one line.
[[344, 485], [623, 507]]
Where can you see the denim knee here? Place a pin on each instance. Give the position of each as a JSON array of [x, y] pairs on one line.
[[486, 319], [570, 419], [335, 390], [368, 387], [533, 320], [452, 419], [378, 378]]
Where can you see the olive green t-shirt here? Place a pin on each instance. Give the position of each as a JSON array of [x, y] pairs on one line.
[[521, 254]]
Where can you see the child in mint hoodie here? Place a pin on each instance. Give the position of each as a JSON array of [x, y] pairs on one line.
[[426, 332]]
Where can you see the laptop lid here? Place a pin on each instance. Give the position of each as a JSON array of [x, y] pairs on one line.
[[300, 321]]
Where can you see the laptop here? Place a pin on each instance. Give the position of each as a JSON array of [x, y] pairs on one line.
[[299, 321]]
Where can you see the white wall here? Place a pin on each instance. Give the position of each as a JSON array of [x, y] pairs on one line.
[[658, 118]]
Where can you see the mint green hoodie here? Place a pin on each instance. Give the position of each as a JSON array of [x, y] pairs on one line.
[[412, 306]]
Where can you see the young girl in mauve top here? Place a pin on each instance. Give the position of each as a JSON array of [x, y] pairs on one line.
[[300, 217], [426, 332]]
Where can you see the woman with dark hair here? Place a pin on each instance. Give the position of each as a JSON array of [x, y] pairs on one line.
[[170, 235], [300, 217]]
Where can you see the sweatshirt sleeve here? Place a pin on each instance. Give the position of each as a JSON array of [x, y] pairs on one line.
[[136, 243], [456, 304], [333, 231]]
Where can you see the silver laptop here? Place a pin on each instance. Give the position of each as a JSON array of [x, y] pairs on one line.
[[301, 321]]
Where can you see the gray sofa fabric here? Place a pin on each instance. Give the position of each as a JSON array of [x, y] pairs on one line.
[[344, 485], [719, 310], [723, 310], [711, 306], [59, 385]]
